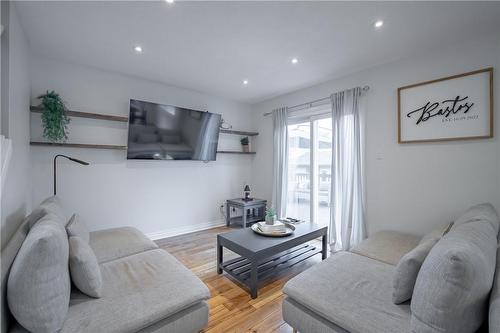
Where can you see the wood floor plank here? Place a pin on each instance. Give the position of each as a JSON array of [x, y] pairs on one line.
[[231, 308]]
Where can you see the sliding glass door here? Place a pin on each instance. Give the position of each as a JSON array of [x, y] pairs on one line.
[[309, 169], [299, 171]]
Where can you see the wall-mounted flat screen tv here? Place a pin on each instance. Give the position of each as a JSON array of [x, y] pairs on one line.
[[166, 132]]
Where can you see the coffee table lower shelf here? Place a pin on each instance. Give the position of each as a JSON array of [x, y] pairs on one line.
[[240, 268], [262, 257]]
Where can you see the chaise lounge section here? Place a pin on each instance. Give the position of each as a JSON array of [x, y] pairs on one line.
[[353, 291], [145, 289]]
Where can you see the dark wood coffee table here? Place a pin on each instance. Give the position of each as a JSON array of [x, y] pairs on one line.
[[263, 257]]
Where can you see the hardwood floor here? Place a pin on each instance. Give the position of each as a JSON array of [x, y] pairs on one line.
[[231, 308]]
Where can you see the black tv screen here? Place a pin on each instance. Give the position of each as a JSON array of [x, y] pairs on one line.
[[166, 132]]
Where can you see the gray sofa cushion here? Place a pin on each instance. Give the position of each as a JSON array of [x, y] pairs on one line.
[[76, 228], [437, 233], [53, 205], [192, 319], [38, 288], [407, 270], [484, 212], [494, 311], [353, 292], [85, 271], [386, 246], [304, 320], [35, 216], [452, 288], [10, 248], [138, 291], [111, 244]]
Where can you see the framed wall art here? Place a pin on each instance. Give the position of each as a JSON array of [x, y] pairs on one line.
[[458, 107]]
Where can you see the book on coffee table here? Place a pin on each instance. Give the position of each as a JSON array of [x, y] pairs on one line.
[[277, 227]]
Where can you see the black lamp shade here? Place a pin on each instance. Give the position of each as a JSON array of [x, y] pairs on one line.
[[247, 188], [78, 161]]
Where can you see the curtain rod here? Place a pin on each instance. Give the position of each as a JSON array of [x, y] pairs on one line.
[[364, 89]]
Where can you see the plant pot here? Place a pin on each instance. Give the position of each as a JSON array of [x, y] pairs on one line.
[[270, 220], [246, 148]]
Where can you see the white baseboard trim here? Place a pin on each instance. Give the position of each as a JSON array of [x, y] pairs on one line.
[[176, 231]]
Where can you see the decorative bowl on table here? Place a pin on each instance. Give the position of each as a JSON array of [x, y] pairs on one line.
[[279, 229]]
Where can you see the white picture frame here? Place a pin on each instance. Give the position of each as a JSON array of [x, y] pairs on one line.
[[458, 107]]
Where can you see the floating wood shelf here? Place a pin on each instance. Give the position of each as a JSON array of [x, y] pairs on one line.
[[77, 145], [38, 109], [89, 115], [116, 147], [236, 152], [228, 131]]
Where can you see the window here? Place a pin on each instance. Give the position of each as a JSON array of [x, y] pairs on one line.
[[309, 168]]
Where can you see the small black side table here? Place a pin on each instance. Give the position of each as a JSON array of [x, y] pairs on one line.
[[253, 211]]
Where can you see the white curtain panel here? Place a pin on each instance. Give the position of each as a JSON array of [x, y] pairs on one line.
[[347, 217], [280, 161]]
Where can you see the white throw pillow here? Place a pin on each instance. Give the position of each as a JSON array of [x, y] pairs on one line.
[[85, 271]]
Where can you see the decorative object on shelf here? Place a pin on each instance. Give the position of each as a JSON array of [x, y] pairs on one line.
[[245, 143], [270, 215], [279, 229], [225, 125], [69, 158], [246, 191], [458, 107], [54, 119]]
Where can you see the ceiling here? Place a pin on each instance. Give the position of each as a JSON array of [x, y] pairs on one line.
[[212, 47]]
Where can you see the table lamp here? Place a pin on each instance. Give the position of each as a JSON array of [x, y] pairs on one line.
[[246, 190]]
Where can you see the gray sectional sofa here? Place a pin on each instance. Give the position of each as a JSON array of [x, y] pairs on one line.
[[144, 288], [457, 287]]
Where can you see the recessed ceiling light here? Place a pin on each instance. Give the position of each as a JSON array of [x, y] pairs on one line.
[[245, 82], [379, 24], [169, 1], [295, 60], [138, 49]]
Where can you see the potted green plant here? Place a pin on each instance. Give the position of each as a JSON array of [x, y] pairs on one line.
[[245, 143], [54, 119], [270, 215]]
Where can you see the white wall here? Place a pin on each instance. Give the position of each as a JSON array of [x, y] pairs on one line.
[[410, 187], [16, 197], [158, 197]]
